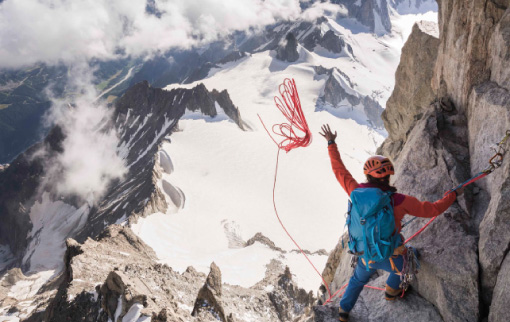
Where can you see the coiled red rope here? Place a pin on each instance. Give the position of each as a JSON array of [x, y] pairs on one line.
[[295, 134]]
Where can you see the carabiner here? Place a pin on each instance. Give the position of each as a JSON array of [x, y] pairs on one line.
[[496, 163]]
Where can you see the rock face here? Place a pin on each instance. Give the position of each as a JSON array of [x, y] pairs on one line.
[[333, 42], [117, 276], [290, 301], [372, 306], [209, 296], [414, 93], [19, 185], [288, 50], [372, 13], [339, 94], [309, 34], [472, 69], [441, 126], [260, 238]]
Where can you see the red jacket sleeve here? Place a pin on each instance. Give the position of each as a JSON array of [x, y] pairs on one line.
[[341, 173], [425, 209]]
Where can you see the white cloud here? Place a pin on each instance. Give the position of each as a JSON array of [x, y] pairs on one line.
[[89, 160], [63, 31], [319, 9]]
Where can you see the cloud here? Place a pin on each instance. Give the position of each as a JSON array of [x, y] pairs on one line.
[[89, 160], [319, 9], [63, 31]]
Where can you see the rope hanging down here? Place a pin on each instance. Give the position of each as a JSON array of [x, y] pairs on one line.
[[295, 134]]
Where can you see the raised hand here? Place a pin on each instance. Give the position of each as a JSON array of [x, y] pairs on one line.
[[328, 135]]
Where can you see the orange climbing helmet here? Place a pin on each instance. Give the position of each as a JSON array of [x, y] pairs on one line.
[[378, 166]]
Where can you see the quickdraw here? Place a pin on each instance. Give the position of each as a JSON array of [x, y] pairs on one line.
[[497, 159], [410, 268]]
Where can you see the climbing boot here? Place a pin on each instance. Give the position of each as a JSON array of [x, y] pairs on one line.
[[392, 293], [342, 315]]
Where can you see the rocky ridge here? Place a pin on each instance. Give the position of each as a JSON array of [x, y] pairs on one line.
[[338, 94], [117, 278], [442, 138], [374, 14]]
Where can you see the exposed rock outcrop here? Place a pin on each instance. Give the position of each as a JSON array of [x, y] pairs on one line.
[[472, 69], [372, 13], [414, 92], [209, 296], [118, 276], [289, 300], [19, 185], [339, 94], [260, 238], [288, 50], [334, 43], [143, 117], [372, 306]]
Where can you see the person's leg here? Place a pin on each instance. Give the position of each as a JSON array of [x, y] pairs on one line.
[[393, 282], [393, 289], [356, 284]]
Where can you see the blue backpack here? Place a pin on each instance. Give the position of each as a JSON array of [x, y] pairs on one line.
[[371, 224]]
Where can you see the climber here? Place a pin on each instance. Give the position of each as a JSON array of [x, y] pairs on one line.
[[378, 170]]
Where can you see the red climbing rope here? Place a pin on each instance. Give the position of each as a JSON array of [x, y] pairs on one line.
[[295, 134]]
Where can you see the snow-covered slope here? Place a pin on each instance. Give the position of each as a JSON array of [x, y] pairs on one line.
[[227, 174]]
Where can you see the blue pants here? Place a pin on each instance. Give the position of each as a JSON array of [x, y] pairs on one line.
[[361, 277]]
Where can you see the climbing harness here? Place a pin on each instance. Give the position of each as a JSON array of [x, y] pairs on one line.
[[295, 134]]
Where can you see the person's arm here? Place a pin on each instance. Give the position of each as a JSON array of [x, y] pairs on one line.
[[341, 173], [425, 209]]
